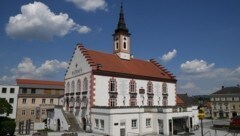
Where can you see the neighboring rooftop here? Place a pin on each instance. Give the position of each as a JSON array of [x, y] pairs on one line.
[[185, 100], [228, 90], [39, 83]]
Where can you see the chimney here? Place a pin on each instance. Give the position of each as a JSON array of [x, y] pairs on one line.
[[238, 86], [222, 87]]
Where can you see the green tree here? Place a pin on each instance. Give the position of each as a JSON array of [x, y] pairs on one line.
[[5, 107]]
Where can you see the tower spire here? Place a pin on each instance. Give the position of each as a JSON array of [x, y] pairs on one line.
[[121, 22], [121, 38]]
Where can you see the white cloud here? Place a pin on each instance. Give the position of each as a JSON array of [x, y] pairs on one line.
[[189, 86], [26, 69], [208, 81], [26, 66], [90, 5], [170, 55], [84, 29], [37, 21], [196, 66]]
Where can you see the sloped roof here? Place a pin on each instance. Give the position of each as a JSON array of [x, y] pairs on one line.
[[228, 90], [39, 82], [187, 100], [104, 63], [179, 100]]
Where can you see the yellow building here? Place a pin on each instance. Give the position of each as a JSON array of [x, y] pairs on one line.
[[225, 103], [35, 97]]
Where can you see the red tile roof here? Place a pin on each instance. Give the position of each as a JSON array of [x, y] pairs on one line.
[[111, 63], [179, 100], [39, 82]]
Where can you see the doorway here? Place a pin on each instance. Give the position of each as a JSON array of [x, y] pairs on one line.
[[84, 123], [160, 126], [58, 124]]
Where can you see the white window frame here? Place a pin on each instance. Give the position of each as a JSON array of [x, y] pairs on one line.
[[134, 123], [23, 112], [96, 123], [148, 122], [32, 112], [24, 101], [101, 124]]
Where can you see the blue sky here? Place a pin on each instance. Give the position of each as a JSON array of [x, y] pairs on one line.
[[198, 41]]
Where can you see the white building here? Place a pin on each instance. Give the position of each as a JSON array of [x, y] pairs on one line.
[[10, 93], [117, 95]]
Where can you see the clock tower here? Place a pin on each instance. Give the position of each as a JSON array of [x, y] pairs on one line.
[[121, 38]]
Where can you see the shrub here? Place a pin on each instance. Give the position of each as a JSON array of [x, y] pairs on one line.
[[7, 126]]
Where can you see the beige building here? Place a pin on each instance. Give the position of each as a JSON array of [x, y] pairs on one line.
[[35, 97], [225, 103]]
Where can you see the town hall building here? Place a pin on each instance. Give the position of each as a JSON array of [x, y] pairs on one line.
[[118, 95]]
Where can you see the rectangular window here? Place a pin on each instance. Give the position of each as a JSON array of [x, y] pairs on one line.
[[4, 90], [212, 99], [43, 111], [102, 124], [148, 122], [24, 101], [23, 112], [33, 91], [11, 100], [32, 112], [43, 101], [33, 101], [24, 90], [51, 101], [97, 123], [12, 90], [134, 123], [113, 102]]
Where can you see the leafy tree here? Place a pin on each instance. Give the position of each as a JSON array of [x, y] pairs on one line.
[[5, 107]]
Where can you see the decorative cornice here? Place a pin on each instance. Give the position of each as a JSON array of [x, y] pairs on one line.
[[124, 75], [162, 68]]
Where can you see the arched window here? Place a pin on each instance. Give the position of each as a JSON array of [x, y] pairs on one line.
[[124, 45], [72, 86], [68, 87], [116, 45], [112, 85], [85, 85], [164, 88], [79, 85], [132, 86], [150, 87]]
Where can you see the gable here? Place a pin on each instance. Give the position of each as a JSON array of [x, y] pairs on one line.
[[78, 64]]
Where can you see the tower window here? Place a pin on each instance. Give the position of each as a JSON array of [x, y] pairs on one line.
[[116, 45], [124, 45]]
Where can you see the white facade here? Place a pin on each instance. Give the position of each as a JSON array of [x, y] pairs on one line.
[[121, 121], [10, 93], [123, 96], [77, 87], [56, 120]]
